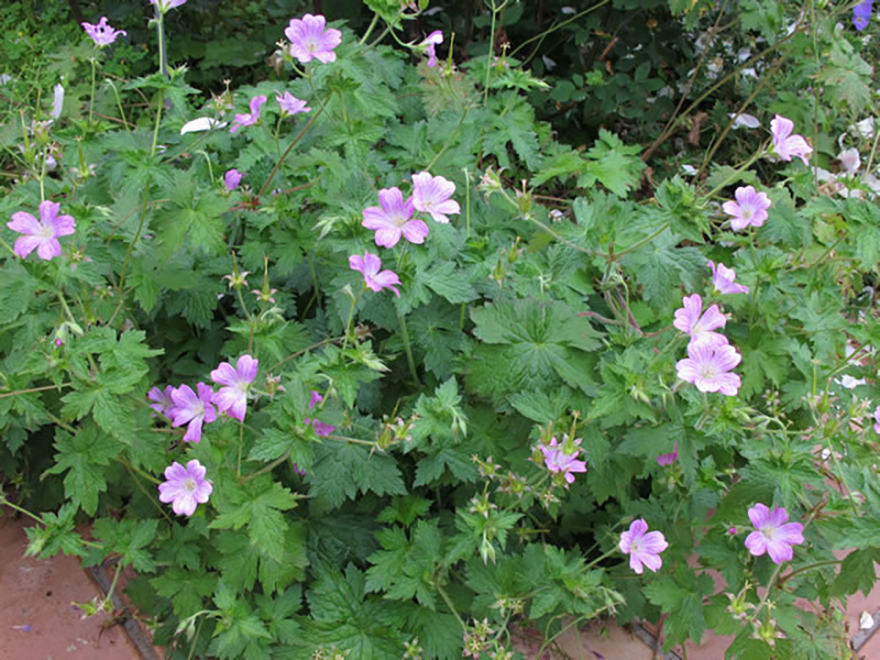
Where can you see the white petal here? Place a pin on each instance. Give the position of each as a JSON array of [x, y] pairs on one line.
[[201, 124], [866, 621]]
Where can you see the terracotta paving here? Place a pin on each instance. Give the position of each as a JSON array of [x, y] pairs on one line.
[[38, 620]]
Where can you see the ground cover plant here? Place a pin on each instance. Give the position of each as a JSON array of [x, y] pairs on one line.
[[365, 359]]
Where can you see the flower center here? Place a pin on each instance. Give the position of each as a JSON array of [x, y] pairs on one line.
[[747, 214], [707, 373], [769, 533], [189, 485], [311, 45], [46, 232], [633, 547]]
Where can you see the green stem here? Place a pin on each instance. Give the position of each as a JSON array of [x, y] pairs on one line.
[[274, 464], [638, 244], [44, 388], [296, 140], [119, 105], [818, 564], [369, 31], [92, 101], [240, 442], [132, 468], [8, 247], [158, 121], [160, 31], [110, 591], [467, 203], [408, 348], [491, 51], [755, 156], [354, 302], [448, 601]]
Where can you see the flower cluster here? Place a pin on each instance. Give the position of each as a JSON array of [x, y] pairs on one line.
[[710, 357], [182, 405], [393, 219], [561, 458], [321, 429]]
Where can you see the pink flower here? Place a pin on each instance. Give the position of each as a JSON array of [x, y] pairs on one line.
[[232, 399], [723, 278], [556, 460], [772, 534], [102, 34], [750, 208], [41, 234], [165, 5], [309, 39], [290, 105], [192, 409], [369, 265], [322, 430], [430, 43], [162, 401], [643, 549], [185, 487], [431, 195], [393, 219], [707, 367], [877, 420], [668, 459], [786, 145], [232, 179], [699, 326], [250, 118]]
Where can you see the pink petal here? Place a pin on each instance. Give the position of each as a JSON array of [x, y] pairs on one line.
[[247, 368], [415, 231], [26, 244], [24, 223], [48, 249], [224, 374]]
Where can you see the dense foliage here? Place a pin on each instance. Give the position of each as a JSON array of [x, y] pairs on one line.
[[368, 355]]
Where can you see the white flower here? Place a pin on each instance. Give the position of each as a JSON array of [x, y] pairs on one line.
[[58, 101], [744, 121], [849, 382], [865, 128], [5, 78], [850, 160], [201, 124]]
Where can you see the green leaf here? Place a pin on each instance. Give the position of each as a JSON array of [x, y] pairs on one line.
[[450, 283], [83, 456], [343, 617], [613, 164], [58, 535], [257, 504], [128, 538], [186, 590], [342, 470], [681, 597], [847, 76]]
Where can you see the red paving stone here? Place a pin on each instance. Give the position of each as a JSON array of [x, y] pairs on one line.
[[40, 593]]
